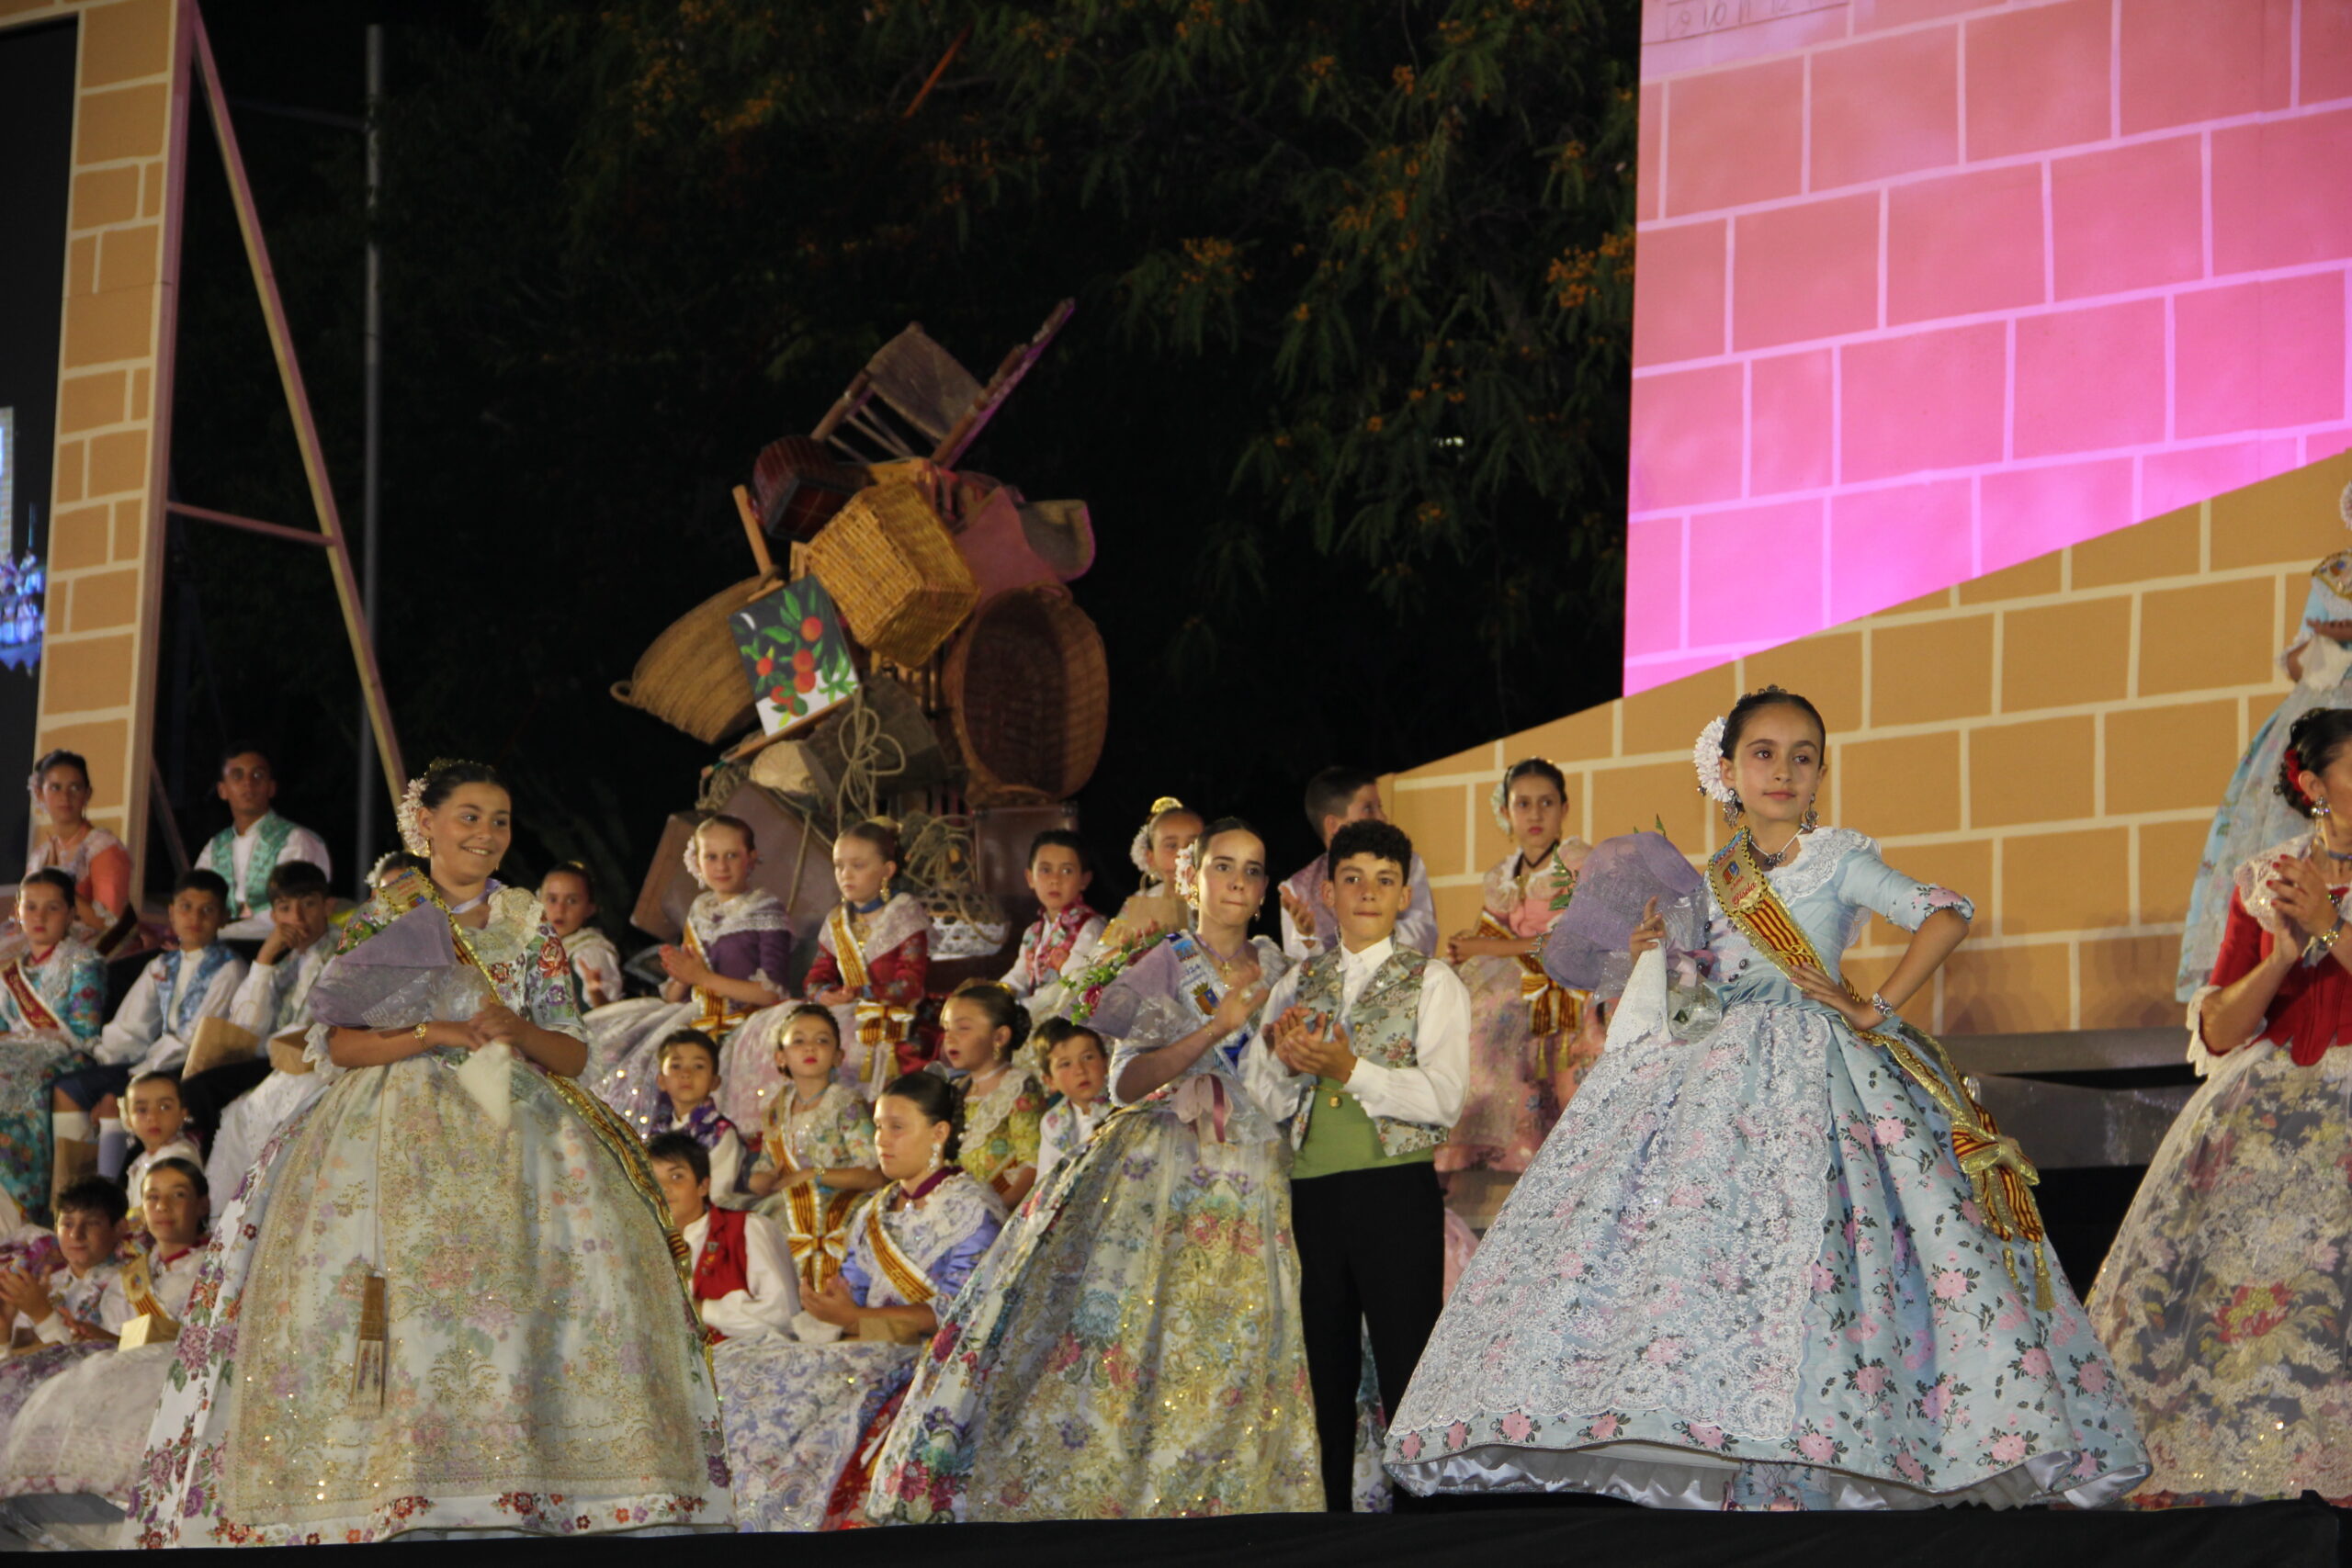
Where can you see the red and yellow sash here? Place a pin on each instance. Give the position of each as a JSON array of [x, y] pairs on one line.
[[910, 1281], [880, 1026], [1994, 1162], [36, 1011]]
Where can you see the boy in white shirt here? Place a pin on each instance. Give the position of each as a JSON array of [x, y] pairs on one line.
[[689, 1078], [153, 1029], [1078, 1068], [743, 1282], [248, 851], [73, 1302], [273, 998], [1335, 798]]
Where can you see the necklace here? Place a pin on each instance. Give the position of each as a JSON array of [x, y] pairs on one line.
[[1772, 860], [1222, 965]]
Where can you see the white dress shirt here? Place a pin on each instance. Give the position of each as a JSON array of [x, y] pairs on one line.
[[1429, 1092], [274, 997], [1416, 928], [767, 1309], [142, 1031], [84, 1296]]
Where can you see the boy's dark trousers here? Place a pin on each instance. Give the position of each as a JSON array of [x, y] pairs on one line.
[[1371, 1253]]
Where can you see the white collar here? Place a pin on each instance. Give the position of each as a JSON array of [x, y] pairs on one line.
[[1372, 957], [694, 1233]]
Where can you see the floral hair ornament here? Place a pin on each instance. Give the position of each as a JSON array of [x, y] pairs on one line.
[[407, 815], [1140, 851], [1187, 875], [1498, 798], [1707, 761]]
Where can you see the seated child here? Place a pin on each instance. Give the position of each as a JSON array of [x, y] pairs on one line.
[[51, 995], [816, 1150], [980, 1033], [246, 854], [71, 1304], [85, 1431], [689, 1077], [1064, 935], [743, 1281], [153, 1029], [158, 1120], [244, 1102], [730, 966], [803, 1416], [66, 1315], [1077, 1070], [1335, 798], [569, 904], [873, 957]]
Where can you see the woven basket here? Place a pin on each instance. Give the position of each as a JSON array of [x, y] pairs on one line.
[[894, 572], [692, 677], [1030, 697]]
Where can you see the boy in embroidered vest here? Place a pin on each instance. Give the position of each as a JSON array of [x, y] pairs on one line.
[[72, 1303], [1367, 1059], [244, 1102], [1065, 935], [743, 1284], [689, 1061], [151, 1031], [1078, 1069], [255, 843], [1335, 798]]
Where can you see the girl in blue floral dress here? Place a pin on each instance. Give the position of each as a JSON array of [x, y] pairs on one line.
[[1747, 1268]]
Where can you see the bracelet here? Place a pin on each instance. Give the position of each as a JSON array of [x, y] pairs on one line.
[[420, 1031], [2327, 940], [1885, 1008]]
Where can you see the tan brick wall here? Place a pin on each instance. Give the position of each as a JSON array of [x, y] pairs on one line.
[[98, 673], [2050, 739]]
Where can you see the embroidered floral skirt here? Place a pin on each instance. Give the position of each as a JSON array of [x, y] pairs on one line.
[[29, 1067], [797, 1416], [542, 1371], [84, 1429], [2223, 1298], [1129, 1348], [1744, 1271]]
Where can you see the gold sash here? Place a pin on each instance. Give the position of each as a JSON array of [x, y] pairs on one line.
[[1552, 1007], [714, 1014], [1994, 1162], [816, 1227], [880, 1025], [911, 1281]]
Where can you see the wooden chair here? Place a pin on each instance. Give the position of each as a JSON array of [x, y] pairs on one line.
[[914, 392]]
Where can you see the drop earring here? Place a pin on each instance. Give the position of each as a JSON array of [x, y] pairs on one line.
[[1731, 809], [2320, 808], [937, 1151], [1812, 820]]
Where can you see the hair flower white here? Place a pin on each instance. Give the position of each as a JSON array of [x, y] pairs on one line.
[[405, 816], [1707, 761]]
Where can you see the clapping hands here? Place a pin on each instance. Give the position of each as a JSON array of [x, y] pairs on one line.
[[2299, 892], [1312, 1042]]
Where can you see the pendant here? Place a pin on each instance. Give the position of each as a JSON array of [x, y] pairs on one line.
[[1335, 1103]]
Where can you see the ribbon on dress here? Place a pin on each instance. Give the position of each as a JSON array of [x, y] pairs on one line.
[[1201, 1099], [880, 1025], [1994, 1162], [1552, 1007], [816, 1227]]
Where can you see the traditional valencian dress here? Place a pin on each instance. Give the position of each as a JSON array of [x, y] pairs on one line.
[[2252, 817], [1527, 1040], [1133, 1347], [832, 1135], [744, 936], [456, 1324], [2224, 1300], [1746, 1269], [100, 868], [89, 1314], [800, 1416], [883, 954], [48, 1016], [1001, 1127]]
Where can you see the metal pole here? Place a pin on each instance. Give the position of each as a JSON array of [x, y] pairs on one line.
[[372, 397]]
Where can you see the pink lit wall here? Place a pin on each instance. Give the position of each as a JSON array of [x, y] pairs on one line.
[[1927, 287]]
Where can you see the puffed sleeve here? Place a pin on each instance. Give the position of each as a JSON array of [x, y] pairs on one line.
[[955, 1266], [1869, 883]]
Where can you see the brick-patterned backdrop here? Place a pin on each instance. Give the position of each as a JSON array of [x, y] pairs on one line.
[[1928, 287], [2051, 740], [98, 670]]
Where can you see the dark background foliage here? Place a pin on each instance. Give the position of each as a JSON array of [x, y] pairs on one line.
[[1345, 390]]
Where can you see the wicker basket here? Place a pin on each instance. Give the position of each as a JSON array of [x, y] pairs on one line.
[[1030, 696], [894, 572], [692, 677]]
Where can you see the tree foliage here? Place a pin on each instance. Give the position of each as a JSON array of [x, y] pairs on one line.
[[1346, 389]]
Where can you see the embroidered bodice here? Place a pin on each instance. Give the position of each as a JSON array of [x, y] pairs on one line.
[[1167, 994], [1832, 888], [945, 1234]]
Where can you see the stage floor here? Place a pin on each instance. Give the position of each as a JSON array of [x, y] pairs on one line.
[[2275, 1535]]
